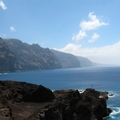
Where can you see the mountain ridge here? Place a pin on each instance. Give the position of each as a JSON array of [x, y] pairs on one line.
[[8, 60], [32, 57], [67, 60], [23, 56]]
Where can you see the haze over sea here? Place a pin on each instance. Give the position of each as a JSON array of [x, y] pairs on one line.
[[104, 78]]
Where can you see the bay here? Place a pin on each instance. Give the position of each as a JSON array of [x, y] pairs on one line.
[[103, 78]]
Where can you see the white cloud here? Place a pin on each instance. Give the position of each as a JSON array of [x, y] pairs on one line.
[[94, 38], [70, 48], [2, 5], [109, 54], [12, 29], [92, 24], [79, 36]]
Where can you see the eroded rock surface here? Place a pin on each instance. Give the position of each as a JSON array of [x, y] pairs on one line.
[[25, 101]]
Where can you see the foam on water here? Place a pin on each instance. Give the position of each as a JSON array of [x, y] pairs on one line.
[[115, 115], [112, 95], [81, 91], [3, 73]]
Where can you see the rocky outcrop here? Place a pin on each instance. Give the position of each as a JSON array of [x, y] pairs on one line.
[[25, 101], [71, 105], [18, 100], [22, 91]]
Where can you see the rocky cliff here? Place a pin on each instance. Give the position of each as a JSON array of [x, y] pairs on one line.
[[31, 57], [16, 55], [25, 101], [85, 62], [67, 60], [8, 61]]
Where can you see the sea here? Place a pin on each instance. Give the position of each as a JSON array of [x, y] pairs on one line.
[[101, 78]]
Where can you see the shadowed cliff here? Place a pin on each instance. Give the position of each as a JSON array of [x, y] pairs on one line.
[[32, 57], [8, 61]]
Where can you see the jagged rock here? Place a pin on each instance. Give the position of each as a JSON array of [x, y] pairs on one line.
[[35, 102], [71, 105]]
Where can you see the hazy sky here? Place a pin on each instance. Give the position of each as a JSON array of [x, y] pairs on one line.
[[89, 28]]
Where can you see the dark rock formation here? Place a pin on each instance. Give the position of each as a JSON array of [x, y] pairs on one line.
[[67, 60], [25, 101], [96, 102], [71, 105], [22, 91]]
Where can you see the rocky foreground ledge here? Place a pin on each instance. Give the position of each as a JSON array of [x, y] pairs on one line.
[[25, 101]]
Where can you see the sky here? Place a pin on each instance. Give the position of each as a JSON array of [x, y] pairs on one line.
[[88, 28]]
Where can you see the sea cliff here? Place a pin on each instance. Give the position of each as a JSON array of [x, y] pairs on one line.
[[25, 101], [16, 55]]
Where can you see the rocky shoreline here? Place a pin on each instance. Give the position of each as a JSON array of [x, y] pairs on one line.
[[25, 101]]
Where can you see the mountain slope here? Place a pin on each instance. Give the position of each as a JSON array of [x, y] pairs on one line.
[[31, 57], [67, 60], [8, 61], [84, 62], [16, 55]]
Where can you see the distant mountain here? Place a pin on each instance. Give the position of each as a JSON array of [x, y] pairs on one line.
[[16, 55], [67, 60], [84, 62], [8, 61], [31, 57]]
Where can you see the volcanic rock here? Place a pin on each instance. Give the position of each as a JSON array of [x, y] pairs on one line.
[[25, 101]]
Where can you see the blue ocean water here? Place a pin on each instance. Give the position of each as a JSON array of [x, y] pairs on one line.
[[99, 78]]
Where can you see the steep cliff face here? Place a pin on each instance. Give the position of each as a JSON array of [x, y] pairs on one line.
[[31, 57], [16, 55], [8, 61], [84, 62], [67, 60]]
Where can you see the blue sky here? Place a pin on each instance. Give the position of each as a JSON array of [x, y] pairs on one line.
[[88, 28]]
